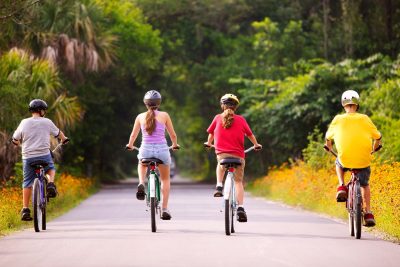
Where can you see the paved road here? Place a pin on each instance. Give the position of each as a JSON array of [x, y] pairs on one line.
[[112, 229]]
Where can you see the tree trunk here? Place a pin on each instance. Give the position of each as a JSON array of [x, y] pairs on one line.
[[326, 10]]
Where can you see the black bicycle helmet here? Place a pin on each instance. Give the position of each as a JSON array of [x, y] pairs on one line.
[[152, 98], [37, 105]]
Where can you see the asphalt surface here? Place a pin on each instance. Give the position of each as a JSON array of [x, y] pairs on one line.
[[112, 228]]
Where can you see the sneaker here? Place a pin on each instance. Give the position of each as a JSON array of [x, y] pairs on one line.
[[218, 191], [241, 215], [166, 215], [341, 195], [26, 214], [140, 194], [51, 190], [369, 219]]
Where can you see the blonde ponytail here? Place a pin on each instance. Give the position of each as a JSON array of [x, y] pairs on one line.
[[227, 118]]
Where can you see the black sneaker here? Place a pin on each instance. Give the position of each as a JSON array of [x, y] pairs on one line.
[[140, 194], [51, 190], [26, 214], [218, 191], [241, 215], [166, 215]]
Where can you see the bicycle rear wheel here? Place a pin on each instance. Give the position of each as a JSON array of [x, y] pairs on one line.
[[153, 214], [37, 211], [357, 204], [351, 223], [228, 216]]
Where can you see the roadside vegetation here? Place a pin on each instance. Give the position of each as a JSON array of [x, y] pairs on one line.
[[72, 190]]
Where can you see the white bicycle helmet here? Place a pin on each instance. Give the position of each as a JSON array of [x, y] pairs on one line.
[[350, 97]]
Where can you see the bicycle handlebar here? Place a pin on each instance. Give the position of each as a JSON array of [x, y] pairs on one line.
[[334, 153], [246, 151], [137, 149], [66, 141]]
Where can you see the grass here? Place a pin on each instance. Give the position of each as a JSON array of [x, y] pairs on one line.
[[301, 185], [72, 191]]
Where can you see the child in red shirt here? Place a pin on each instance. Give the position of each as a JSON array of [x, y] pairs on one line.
[[228, 131]]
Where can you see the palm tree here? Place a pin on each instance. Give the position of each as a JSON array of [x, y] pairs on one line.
[[22, 78], [68, 33]]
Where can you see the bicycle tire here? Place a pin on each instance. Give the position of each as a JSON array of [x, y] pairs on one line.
[[37, 211], [232, 221], [228, 216], [351, 223], [153, 214], [357, 210]]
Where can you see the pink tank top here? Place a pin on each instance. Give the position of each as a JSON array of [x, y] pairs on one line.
[[157, 137]]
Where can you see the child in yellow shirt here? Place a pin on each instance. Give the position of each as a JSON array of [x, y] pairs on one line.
[[355, 136]]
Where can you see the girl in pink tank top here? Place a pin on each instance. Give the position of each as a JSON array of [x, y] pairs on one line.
[[152, 124]]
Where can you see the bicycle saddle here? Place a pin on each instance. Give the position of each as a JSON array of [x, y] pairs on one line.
[[149, 160], [233, 161], [38, 164]]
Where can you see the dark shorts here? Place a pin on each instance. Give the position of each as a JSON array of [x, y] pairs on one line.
[[29, 172], [363, 174]]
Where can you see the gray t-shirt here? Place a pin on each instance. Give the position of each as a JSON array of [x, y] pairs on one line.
[[34, 135]]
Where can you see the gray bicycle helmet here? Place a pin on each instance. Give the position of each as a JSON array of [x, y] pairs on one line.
[[37, 105], [152, 98]]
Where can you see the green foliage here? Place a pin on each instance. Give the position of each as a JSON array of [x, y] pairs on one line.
[[314, 155]]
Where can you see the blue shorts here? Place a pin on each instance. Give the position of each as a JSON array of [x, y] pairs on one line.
[[363, 173], [159, 151], [29, 172]]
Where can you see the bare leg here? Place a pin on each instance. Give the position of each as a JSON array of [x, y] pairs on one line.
[[50, 174], [220, 174], [26, 194], [165, 184], [239, 191], [340, 174], [366, 195], [142, 173]]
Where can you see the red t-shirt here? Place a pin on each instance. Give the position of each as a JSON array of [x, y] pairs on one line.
[[230, 140]]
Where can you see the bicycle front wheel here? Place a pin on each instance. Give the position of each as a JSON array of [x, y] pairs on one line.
[[357, 204], [37, 210], [153, 214]]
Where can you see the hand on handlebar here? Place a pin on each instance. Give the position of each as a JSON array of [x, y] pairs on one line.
[[379, 147], [65, 141], [257, 147], [130, 148], [175, 147], [207, 145]]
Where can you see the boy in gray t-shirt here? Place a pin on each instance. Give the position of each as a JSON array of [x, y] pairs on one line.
[[34, 135]]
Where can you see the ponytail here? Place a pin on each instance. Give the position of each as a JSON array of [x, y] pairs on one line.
[[150, 121], [227, 118]]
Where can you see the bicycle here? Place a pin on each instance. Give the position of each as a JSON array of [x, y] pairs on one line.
[[153, 194], [354, 200], [39, 194], [230, 203]]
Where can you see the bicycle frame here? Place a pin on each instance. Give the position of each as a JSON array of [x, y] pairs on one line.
[[40, 175], [153, 184]]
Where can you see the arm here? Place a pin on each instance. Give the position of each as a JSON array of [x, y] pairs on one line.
[[134, 133], [253, 139], [377, 144], [210, 139], [171, 131], [62, 136], [328, 144]]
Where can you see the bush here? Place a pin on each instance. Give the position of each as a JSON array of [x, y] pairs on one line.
[[71, 191], [314, 189]]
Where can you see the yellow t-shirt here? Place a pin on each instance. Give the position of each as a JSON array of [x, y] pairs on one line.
[[353, 134]]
